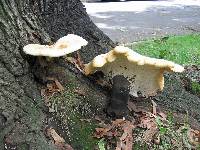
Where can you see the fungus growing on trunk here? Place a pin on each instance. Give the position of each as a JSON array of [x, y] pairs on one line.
[[42, 66], [144, 74], [63, 46]]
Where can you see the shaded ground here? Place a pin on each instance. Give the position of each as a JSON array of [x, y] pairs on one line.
[[75, 117], [170, 121], [137, 20]]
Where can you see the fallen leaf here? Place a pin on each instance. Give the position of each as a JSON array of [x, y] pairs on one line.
[[76, 62], [80, 92], [52, 133], [58, 140], [147, 121], [100, 132], [154, 107], [194, 137], [62, 146], [119, 129], [149, 134], [118, 122], [101, 122], [162, 115], [79, 62], [128, 129], [124, 135], [119, 145], [59, 85], [125, 142]]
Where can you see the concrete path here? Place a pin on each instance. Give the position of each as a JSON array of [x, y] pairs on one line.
[[137, 20]]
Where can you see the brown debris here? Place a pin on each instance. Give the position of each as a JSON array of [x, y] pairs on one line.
[[51, 89], [120, 129], [154, 107], [79, 61], [194, 137], [80, 92], [58, 140]]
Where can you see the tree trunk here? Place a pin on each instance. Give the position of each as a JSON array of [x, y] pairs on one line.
[[23, 115], [22, 111]]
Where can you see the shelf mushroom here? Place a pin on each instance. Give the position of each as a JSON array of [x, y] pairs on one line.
[[46, 54], [63, 46], [144, 74]]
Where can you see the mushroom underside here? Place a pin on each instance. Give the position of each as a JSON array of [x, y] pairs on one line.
[[144, 80]]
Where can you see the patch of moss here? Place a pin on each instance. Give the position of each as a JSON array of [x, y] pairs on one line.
[[23, 146], [81, 134], [70, 107], [195, 87], [140, 146]]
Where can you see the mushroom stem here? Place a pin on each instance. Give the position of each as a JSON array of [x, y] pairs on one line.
[[119, 97]]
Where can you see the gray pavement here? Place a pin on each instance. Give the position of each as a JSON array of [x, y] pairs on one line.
[[138, 20]]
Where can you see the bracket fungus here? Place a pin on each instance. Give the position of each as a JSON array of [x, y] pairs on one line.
[[63, 46], [145, 74]]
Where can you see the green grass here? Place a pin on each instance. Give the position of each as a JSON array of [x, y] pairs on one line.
[[184, 49]]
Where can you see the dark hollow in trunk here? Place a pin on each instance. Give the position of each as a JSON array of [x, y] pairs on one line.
[[119, 97]]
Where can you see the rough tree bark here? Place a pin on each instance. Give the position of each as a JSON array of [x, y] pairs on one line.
[[22, 113]]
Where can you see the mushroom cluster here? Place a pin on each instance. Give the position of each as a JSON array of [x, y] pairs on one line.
[[145, 74]]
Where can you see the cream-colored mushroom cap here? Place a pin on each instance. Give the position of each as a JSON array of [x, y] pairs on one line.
[[145, 74], [63, 46]]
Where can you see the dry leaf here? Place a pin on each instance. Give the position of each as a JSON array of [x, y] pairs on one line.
[[124, 135], [154, 107], [52, 133], [76, 63], [59, 85], [79, 62], [125, 142], [162, 115], [194, 137], [147, 122], [62, 146], [118, 122], [128, 129], [119, 146], [58, 140], [102, 123], [80, 92], [149, 134], [100, 132]]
